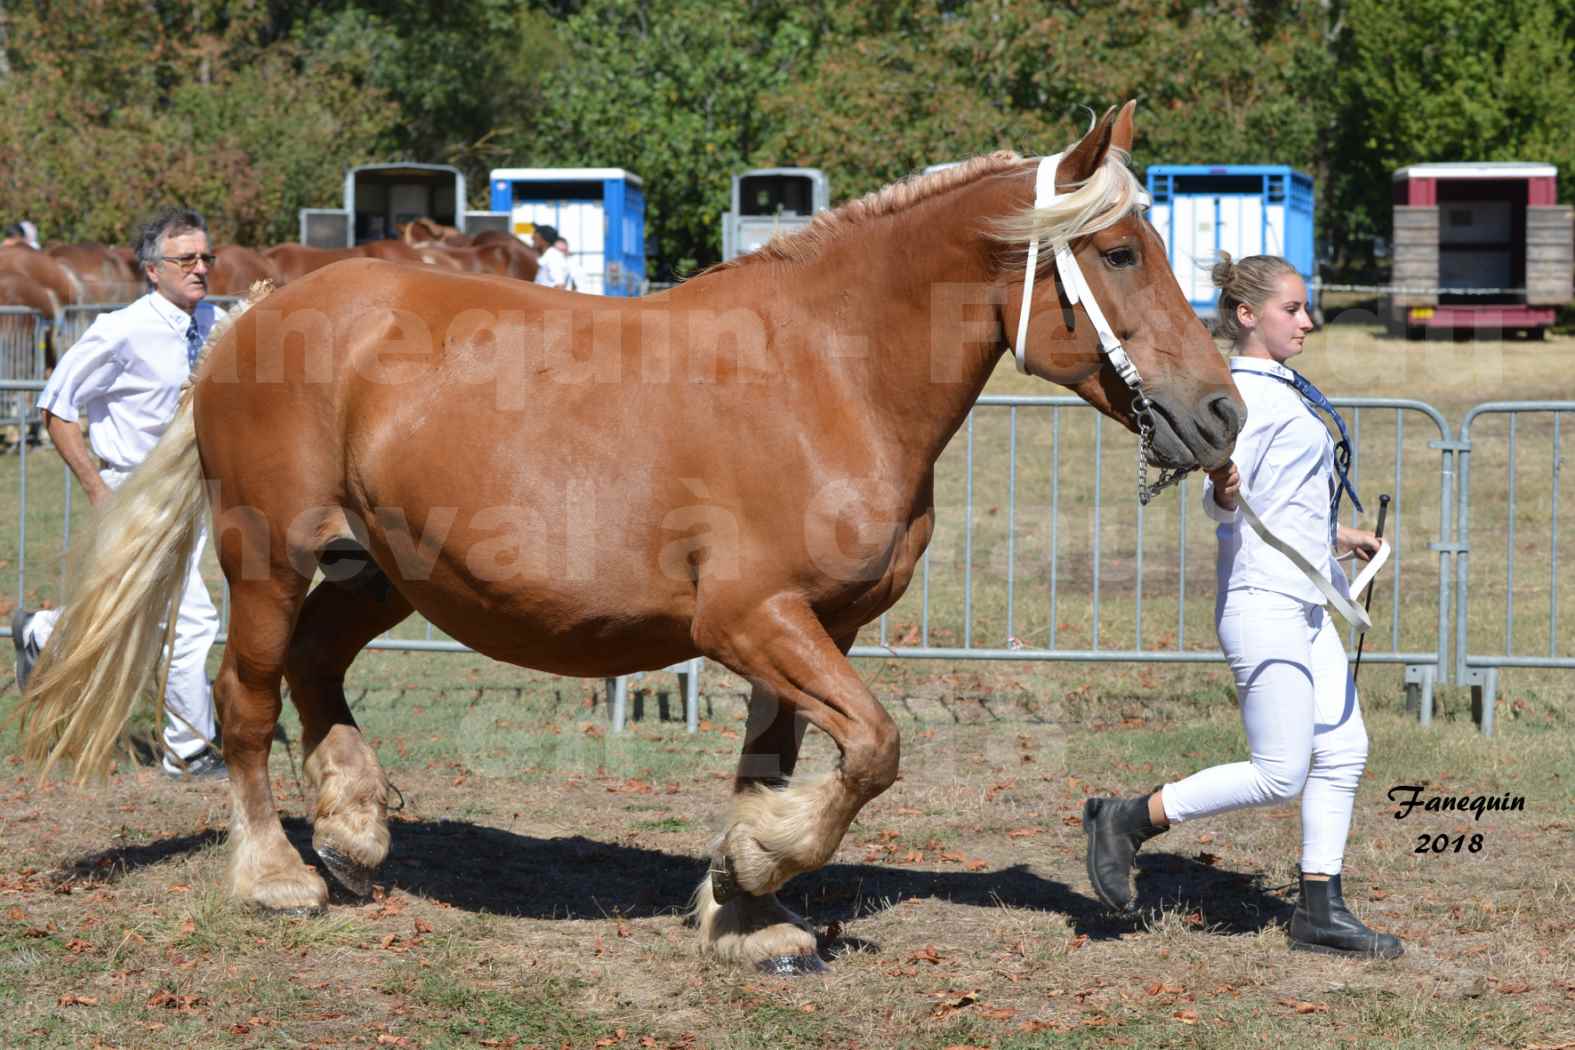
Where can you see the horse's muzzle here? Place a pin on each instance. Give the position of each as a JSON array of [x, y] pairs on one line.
[[1203, 437]]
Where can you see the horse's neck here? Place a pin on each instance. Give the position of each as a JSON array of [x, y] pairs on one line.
[[928, 321]]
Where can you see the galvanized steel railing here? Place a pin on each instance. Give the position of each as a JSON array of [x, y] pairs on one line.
[[22, 333], [1473, 665], [1425, 662], [1046, 591]]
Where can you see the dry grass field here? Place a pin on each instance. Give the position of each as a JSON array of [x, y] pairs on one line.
[[540, 865]]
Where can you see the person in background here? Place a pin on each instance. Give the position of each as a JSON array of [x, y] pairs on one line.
[[575, 281], [125, 375], [554, 266], [14, 236], [1298, 703]]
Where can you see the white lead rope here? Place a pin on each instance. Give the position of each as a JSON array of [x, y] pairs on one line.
[[1351, 612]]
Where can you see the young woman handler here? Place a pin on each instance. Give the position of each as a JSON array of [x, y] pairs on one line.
[[1298, 703]]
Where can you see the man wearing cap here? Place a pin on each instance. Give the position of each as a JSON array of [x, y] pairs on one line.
[[125, 376]]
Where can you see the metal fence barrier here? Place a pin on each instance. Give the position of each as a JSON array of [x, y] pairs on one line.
[[1091, 537], [1042, 552], [1523, 538], [22, 333]]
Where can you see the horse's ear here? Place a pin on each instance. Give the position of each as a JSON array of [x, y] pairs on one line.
[[1121, 131], [1083, 159]]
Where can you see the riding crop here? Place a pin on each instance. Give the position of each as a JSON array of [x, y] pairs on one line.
[[1383, 512]]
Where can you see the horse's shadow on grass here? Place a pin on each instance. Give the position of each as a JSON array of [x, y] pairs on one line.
[[487, 869], [492, 870]]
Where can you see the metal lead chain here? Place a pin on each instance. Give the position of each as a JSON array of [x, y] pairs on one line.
[[1143, 413]]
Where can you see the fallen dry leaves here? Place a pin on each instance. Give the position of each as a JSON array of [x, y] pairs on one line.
[[168, 1000], [944, 1010]]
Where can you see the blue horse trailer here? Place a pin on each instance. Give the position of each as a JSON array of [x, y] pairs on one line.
[[1246, 209], [599, 211]]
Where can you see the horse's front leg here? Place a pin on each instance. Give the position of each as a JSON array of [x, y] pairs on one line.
[[756, 927], [782, 826]]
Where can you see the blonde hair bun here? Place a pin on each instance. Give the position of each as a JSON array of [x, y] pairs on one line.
[[1250, 281]]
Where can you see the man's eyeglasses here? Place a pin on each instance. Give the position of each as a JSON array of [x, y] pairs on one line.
[[189, 261]]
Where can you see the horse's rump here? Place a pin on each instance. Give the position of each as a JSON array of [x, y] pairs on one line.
[[422, 415]]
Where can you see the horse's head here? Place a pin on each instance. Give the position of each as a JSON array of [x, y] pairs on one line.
[[1096, 212]]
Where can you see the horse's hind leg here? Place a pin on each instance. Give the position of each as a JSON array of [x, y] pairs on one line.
[[349, 811], [264, 868]]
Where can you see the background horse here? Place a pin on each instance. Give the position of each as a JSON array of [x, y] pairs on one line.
[[38, 267], [238, 269], [293, 261], [505, 260], [103, 276], [741, 468]]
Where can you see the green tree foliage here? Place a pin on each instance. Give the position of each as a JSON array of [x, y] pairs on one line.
[[1213, 85], [878, 63], [252, 110], [669, 90], [1450, 80], [176, 104], [463, 74]]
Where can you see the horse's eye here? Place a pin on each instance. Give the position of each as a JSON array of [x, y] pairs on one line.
[[1121, 258]]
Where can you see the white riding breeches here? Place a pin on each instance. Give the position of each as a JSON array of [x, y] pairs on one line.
[[189, 722], [1303, 721]]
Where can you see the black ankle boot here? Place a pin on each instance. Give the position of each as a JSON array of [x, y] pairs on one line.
[[1116, 828], [1322, 923]]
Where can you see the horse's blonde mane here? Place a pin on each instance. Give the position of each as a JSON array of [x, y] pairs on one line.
[[1100, 201]]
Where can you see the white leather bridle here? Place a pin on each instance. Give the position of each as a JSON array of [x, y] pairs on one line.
[[1078, 291]]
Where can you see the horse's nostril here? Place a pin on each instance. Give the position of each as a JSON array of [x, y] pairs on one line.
[[1225, 415]]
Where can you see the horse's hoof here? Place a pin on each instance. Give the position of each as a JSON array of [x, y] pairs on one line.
[[791, 966], [724, 880], [355, 878]]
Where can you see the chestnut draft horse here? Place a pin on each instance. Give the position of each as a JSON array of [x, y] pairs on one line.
[[293, 261], [741, 467]]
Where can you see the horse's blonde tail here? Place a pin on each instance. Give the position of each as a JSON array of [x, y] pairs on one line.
[[131, 565]]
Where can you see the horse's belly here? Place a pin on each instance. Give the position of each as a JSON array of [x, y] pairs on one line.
[[586, 627]]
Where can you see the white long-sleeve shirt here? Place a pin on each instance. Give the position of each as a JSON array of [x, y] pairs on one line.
[[552, 268], [126, 372], [1285, 457]]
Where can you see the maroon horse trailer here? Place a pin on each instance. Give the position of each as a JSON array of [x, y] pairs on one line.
[[1479, 246]]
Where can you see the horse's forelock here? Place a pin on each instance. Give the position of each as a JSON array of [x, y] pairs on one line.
[[1099, 202]]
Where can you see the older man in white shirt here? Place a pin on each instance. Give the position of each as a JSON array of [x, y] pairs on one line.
[[125, 375]]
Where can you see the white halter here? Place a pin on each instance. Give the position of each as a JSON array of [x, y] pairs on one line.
[[1077, 290]]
